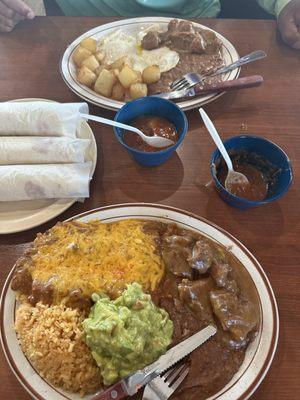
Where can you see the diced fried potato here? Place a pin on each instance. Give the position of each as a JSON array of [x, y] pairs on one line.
[[90, 44], [100, 68], [116, 72], [90, 62], [118, 92], [86, 76], [137, 90], [151, 74], [80, 54], [105, 83], [100, 56], [120, 63], [128, 76], [138, 77]]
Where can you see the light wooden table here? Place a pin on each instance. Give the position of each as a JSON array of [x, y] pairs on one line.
[[29, 62]]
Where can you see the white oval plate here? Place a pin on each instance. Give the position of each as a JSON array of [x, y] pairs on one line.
[[18, 216], [133, 26], [259, 354]]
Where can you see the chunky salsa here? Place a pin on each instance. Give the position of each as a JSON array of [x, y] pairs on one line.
[[150, 125], [261, 174]]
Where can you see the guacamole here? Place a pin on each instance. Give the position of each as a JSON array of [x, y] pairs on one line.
[[126, 334]]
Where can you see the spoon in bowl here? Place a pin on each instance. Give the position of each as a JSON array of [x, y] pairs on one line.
[[154, 141], [235, 182]]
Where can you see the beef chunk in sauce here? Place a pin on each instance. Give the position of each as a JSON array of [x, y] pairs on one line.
[[41, 292], [185, 323], [22, 281], [77, 300], [212, 45], [183, 36], [236, 315], [201, 257], [151, 40], [175, 252], [219, 272], [195, 294]]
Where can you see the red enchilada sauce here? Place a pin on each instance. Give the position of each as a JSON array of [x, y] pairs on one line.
[[258, 185], [150, 125]]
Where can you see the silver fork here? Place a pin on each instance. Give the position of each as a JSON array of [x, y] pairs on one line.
[[161, 388], [190, 80]]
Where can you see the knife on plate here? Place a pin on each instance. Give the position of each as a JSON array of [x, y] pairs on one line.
[[205, 88], [130, 385]]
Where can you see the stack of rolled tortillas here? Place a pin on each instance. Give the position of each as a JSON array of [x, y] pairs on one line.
[[40, 153]]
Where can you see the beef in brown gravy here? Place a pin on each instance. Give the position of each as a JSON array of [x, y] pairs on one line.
[[201, 257], [41, 292], [195, 295], [77, 300], [199, 49], [236, 315], [183, 36], [22, 280], [175, 252], [222, 294]]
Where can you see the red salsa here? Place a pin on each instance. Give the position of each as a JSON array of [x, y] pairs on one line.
[[150, 125], [261, 174]]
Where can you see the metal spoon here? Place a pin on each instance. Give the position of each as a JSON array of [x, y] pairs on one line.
[[154, 141], [235, 181]]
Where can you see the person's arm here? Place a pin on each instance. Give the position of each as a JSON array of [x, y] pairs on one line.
[[13, 11], [288, 18]]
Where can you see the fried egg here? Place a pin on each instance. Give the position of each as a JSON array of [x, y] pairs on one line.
[[119, 43]]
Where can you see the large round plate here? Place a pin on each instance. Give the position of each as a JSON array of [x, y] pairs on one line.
[[17, 216], [259, 354], [132, 26]]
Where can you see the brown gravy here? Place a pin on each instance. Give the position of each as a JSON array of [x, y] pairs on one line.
[[150, 125], [199, 49], [202, 280]]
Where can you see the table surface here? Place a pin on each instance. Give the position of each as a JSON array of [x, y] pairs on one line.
[[29, 60]]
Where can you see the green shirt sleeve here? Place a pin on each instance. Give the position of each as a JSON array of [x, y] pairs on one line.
[[273, 6]]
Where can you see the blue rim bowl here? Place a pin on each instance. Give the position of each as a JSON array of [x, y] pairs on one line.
[[151, 106], [264, 148]]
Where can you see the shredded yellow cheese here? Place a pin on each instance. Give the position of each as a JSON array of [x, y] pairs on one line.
[[96, 257]]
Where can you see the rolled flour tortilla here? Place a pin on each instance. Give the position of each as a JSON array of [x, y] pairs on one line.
[[41, 150], [44, 181], [40, 118]]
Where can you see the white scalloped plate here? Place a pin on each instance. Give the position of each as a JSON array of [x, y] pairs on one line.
[[259, 354], [18, 216], [133, 26]]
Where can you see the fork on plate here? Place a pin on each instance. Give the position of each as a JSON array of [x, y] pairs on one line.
[[188, 81], [161, 388]]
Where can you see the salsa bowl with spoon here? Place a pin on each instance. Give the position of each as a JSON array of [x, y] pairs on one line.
[[265, 156], [266, 166], [235, 183], [154, 141], [156, 107]]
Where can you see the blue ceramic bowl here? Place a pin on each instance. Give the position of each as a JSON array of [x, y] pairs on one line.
[[267, 150], [151, 106]]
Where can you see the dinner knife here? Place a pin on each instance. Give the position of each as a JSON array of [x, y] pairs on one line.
[[205, 88], [130, 385]]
